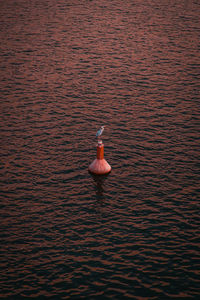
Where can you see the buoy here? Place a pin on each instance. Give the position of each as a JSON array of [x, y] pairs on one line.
[[100, 165]]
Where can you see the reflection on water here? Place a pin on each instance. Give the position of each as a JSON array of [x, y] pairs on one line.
[[99, 185], [68, 67]]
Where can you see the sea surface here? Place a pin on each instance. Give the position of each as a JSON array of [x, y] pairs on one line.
[[68, 67]]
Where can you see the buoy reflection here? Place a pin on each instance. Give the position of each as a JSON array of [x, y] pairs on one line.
[[99, 181]]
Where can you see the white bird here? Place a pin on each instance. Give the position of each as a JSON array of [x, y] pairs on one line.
[[99, 132]]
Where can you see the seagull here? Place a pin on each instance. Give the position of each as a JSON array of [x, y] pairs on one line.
[[99, 132]]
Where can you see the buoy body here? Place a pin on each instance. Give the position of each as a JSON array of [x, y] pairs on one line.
[[100, 165]]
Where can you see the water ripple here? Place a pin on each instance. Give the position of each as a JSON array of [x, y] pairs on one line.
[[66, 68]]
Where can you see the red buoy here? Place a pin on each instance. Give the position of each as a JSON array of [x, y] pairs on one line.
[[100, 165]]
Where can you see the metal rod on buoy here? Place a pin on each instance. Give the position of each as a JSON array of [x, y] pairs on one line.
[[100, 165]]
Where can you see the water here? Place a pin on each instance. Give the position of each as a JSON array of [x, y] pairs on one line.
[[68, 67]]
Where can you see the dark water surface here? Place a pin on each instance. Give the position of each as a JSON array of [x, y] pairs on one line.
[[68, 67]]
